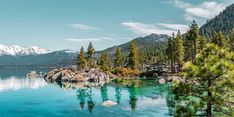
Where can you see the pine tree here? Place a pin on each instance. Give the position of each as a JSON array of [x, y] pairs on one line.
[[201, 43], [118, 58], [219, 39], [81, 59], [179, 50], [170, 53], [105, 63], [188, 49], [90, 57], [231, 39], [133, 57], [208, 88], [192, 38]]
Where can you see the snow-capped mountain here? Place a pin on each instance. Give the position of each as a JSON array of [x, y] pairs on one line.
[[16, 50]]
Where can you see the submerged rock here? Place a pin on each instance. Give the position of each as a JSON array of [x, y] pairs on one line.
[[109, 103]]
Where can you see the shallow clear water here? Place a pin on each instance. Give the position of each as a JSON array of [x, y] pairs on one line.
[[22, 97]]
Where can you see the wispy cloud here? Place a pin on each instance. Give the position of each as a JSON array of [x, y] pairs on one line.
[[81, 39], [145, 29], [83, 27], [160, 28], [96, 39], [180, 4], [205, 10], [183, 28]]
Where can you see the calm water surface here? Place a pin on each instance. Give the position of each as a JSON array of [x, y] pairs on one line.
[[22, 97]]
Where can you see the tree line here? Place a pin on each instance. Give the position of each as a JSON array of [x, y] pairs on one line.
[[183, 48], [88, 60]]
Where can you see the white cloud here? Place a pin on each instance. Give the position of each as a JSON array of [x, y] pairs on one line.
[[183, 28], [145, 29], [83, 27], [160, 28], [81, 39], [96, 39], [180, 4], [205, 10]]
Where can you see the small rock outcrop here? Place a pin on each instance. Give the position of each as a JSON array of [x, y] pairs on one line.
[[169, 78], [32, 74], [73, 75], [162, 81]]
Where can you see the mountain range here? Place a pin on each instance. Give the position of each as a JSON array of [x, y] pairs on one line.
[[16, 50], [36, 58]]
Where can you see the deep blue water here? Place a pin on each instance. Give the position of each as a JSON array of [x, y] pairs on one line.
[[22, 97]]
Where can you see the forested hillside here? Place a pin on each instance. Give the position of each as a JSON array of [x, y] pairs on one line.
[[224, 23], [151, 48]]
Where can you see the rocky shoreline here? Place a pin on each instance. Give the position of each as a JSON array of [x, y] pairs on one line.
[[73, 75], [95, 76]]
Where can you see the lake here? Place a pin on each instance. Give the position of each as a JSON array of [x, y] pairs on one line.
[[23, 97]]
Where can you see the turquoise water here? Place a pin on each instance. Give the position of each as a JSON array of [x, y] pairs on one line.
[[22, 97]]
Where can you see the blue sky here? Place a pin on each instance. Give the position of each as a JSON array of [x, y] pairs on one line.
[[70, 24]]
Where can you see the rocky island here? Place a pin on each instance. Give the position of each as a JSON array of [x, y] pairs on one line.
[[73, 75]]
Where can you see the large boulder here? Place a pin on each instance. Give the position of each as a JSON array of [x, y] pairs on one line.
[[162, 81]]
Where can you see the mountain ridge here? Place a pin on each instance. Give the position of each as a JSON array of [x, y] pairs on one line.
[[16, 50], [223, 22]]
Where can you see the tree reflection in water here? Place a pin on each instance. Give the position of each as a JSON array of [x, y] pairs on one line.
[[84, 95], [132, 96], [104, 92], [170, 98], [90, 101], [118, 94], [135, 90], [81, 95]]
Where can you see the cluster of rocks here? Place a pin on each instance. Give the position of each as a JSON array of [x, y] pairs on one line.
[[32, 74], [74, 75], [166, 77]]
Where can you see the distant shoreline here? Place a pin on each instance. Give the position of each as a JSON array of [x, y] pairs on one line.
[[24, 67]]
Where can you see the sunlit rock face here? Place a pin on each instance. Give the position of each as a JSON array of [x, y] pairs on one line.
[[14, 83]]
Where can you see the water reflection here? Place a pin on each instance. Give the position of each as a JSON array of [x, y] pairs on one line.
[[142, 95], [85, 95], [81, 95], [171, 102], [90, 101], [118, 94], [104, 92], [14, 83], [138, 98], [133, 97]]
